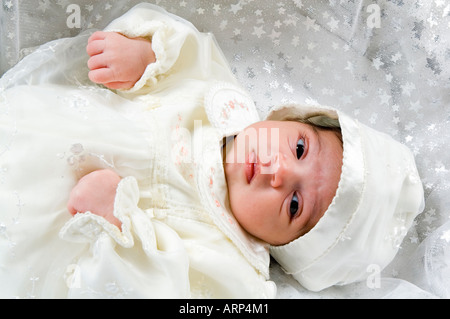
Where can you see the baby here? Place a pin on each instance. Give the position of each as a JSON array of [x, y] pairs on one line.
[[279, 187], [301, 167], [177, 188]]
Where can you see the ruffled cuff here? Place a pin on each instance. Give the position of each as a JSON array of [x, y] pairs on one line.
[[165, 58], [87, 227]]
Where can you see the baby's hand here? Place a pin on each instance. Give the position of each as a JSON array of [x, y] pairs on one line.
[[116, 61], [96, 193]]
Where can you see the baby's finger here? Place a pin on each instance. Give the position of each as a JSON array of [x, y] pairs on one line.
[[104, 75], [97, 62], [71, 203], [95, 47], [98, 35], [119, 85]]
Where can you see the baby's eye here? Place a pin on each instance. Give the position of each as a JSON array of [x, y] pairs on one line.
[[293, 209], [300, 148]]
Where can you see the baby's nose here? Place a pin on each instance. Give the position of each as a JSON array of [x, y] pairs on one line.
[[279, 168]]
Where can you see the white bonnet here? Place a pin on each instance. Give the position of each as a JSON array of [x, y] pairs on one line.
[[379, 195]]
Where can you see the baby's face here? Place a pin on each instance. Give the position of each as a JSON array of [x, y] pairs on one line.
[[282, 176]]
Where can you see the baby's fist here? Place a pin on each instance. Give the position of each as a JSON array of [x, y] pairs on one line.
[[96, 193], [116, 61]]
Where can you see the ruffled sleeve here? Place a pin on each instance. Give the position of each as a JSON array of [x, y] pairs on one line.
[[145, 259], [181, 50], [86, 228]]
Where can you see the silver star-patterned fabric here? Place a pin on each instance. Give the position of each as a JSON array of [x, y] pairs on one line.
[[384, 62]]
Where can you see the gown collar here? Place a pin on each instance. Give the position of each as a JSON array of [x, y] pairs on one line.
[[230, 110]]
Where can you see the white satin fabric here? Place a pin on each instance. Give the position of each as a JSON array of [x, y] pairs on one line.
[[178, 238]]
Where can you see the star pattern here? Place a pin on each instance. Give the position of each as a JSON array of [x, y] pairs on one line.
[[395, 78]]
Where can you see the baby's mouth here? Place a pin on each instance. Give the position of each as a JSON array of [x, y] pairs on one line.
[[250, 167]]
